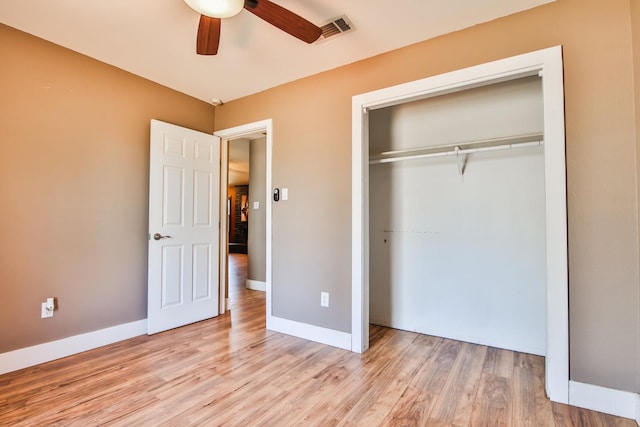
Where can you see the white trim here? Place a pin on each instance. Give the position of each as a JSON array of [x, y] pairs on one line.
[[548, 64], [615, 402], [234, 133], [458, 334], [359, 227], [310, 332], [256, 285], [223, 235], [42, 353]]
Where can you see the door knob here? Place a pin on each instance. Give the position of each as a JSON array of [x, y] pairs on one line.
[[159, 236]]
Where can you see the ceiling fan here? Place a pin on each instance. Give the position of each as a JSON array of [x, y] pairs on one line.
[[213, 11]]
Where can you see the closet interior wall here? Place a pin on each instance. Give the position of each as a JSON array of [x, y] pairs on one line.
[[457, 245]]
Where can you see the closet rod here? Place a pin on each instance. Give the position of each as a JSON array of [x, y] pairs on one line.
[[528, 140], [455, 152]]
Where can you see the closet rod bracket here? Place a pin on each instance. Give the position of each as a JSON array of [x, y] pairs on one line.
[[462, 160]]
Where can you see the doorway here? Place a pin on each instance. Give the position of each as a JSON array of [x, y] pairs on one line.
[[545, 63], [246, 206], [238, 185]]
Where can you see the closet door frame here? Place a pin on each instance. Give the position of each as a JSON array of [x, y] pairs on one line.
[[546, 63]]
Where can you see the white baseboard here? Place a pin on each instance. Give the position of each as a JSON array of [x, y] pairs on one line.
[[310, 332], [615, 402], [256, 285], [41, 353], [459, 333]]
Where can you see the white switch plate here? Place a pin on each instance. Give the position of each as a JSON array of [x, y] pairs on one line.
[[324, 299], [285, 194], [256, 205]]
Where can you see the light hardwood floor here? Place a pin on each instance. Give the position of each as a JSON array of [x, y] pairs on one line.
[[231, 371]]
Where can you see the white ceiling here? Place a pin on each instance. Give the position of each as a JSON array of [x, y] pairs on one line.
[[156, 38]]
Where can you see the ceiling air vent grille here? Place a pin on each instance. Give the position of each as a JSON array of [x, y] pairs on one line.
[[336, 27]]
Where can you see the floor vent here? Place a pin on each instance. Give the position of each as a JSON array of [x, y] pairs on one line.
[[336, 27]]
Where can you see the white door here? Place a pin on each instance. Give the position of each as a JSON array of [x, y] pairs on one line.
[[184, 192]]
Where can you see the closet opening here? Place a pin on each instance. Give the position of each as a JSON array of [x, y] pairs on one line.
[[457, 216], [459, 210]]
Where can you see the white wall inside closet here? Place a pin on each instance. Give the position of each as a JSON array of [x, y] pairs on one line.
[[461, 256]]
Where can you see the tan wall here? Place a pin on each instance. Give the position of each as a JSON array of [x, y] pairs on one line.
[[256, 246], [74, 188], [635, 29], [312, 156]]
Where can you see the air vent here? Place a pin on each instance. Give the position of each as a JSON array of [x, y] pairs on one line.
[[336, 27]]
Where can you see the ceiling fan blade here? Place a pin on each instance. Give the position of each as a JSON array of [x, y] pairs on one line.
[[208, 36], [284, 19]]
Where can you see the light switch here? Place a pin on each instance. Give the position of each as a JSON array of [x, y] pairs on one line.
[[285, 194], [256, 205]]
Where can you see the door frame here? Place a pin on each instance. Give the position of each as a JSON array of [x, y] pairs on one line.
[[226, 135], [546, 63]]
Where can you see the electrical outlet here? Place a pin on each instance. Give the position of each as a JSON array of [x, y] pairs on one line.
[[324, 299], [47, 308], [47, 311]]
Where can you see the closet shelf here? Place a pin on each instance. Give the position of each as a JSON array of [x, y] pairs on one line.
[[518, 141]]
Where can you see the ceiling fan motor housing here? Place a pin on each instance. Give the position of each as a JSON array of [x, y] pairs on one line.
[[216, 8]]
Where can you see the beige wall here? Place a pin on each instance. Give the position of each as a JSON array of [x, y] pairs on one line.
[[312, 156], [74, 188], [635, 29], [256, 246]]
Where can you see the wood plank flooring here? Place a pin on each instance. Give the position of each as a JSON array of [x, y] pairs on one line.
[[231, 371]]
